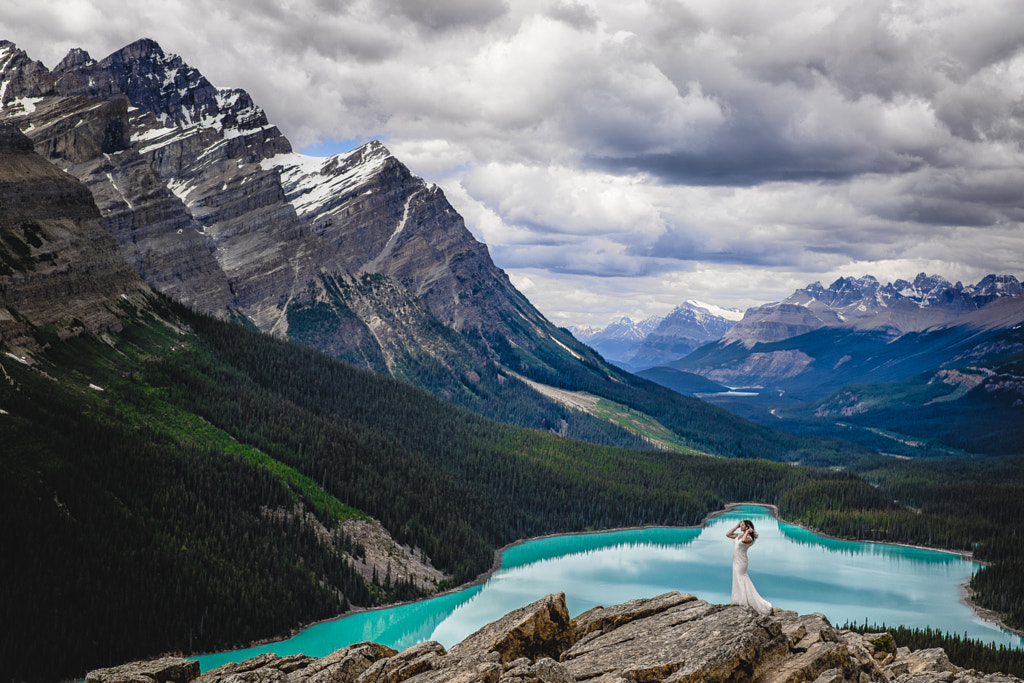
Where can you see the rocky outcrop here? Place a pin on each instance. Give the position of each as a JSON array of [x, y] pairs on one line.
[[383, 556], [375, 552], [674, 638], [165, 670], [25, 79]]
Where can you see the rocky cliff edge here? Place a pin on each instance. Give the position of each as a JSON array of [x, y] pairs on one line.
[[673, 637]]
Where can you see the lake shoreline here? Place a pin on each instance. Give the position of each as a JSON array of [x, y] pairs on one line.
[[985, 615], [966, 593]]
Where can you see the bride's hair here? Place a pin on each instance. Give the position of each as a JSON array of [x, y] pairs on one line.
[[750, 525]]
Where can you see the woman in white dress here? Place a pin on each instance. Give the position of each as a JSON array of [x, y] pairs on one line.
[[743, 591]]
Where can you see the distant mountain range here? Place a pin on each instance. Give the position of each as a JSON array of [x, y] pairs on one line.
[[658, 340], [865, 304], [916, 367], [939, 361]]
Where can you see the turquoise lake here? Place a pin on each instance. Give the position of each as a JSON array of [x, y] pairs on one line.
[[793, 568]]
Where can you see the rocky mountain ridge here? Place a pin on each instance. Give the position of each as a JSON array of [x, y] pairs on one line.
[[865, 304], [926, 363], [352, 254], [673, 637], [862, 327]]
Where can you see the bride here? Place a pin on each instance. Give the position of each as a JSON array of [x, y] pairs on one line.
[[743, 591]]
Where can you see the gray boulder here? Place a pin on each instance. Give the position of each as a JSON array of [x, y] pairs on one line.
[[164, 670]]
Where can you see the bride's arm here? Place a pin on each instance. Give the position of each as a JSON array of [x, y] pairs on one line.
[[731, 533]]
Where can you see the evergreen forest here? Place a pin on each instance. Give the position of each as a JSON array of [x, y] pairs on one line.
[[962, 651], [141, 473]]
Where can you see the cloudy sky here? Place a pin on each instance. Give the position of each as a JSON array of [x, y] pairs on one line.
[[619, 157]]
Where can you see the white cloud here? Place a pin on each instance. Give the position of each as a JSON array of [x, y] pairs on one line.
[[627, 155], [564, 200]]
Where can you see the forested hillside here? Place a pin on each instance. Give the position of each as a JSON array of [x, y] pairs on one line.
[[973, 505], [140, 472]]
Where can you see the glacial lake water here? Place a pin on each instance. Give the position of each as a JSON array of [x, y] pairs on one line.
[[793, 568]]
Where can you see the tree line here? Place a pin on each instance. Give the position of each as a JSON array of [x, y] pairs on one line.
[[965, 652]]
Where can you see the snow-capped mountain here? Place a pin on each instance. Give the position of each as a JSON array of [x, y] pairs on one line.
[[689, 326], [617, 340], [857, 331], [352, 254], [623, 329], [658, 340], [864, 303]]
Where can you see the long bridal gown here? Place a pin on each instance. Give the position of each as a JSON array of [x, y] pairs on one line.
[[743, 591]]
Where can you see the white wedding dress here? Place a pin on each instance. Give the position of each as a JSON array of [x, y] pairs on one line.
[[743, 591]]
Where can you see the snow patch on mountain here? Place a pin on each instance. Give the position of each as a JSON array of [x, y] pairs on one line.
[[734, 314], [312, 183]]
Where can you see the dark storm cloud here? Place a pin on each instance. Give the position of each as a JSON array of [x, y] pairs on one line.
[[746, 168], [737, 252], [825, 103], [576, 14], [444, 15]]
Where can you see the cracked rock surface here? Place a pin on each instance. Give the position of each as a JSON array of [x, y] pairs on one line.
[[674, 637]]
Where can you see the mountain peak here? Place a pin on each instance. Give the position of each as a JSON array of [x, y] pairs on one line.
[[211, 205], [21, 77], [158, 83], [993, 287], [74, 59], [141, 49], [733, 314], [658, 340], [855, 283], [898, 307]]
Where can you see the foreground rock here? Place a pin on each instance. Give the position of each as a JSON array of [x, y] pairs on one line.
[[674, 637]]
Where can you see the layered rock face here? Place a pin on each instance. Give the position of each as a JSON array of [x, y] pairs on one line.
[[674, 638], [58, 266], [212, 207], [90, 138]]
